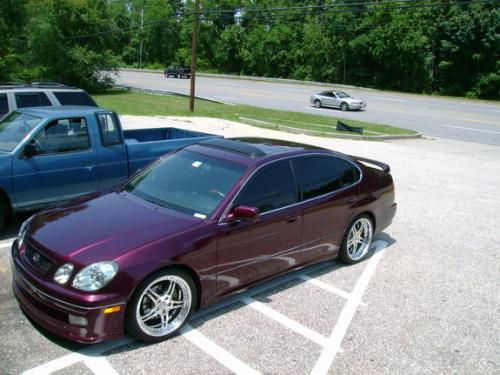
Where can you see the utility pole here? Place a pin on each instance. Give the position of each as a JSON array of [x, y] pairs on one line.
[[196, 26], [142, 39]]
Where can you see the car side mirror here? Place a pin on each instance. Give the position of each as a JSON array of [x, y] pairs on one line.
[[244, 213], [29, 150]]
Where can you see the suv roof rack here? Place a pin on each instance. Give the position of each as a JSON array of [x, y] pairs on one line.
[[45, 85], [234, 146]]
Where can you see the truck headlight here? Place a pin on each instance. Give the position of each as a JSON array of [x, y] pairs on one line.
[[95, 276], [63, 273], [23, 232]]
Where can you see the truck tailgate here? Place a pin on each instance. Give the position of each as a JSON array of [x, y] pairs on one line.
[[146, 145]]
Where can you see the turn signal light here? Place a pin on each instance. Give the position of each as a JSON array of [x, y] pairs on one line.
[[110, 310]]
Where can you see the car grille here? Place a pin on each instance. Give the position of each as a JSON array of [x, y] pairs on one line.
[[37, 259]]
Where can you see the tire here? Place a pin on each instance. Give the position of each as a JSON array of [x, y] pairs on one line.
[[178, 75], [317, 103], [344, 106], [349, 252], [3, 215], [155, 305]]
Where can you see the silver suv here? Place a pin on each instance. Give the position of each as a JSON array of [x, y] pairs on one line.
[[13, 96]]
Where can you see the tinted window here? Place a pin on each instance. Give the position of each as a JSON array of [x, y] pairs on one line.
[[4, 105], [271, 187], [32, 99], [67, 135], [110, 133], [74, 98], [320, 175], [187, 182], [348, 173]]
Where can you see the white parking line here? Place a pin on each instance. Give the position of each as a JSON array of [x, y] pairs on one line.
[[221, 355], [335, 340], [326, 286], [286, 321], [100, 366]]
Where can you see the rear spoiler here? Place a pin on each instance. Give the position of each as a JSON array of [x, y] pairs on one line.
[[373, 163]]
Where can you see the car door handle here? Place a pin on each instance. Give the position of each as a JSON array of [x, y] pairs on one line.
[[351, 201], [292, 219]]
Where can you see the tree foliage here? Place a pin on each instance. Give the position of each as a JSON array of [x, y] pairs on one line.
[[450, 49]]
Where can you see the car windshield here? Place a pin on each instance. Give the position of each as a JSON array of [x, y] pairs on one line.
[[187, 182], [14, 127], [341, 94]]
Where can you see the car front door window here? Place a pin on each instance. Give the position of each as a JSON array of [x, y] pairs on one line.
[[62, 136]]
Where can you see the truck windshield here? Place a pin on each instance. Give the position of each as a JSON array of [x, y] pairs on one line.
[[14, 127], [187, 182]]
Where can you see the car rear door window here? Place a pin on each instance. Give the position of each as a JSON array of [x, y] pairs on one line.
[[110, 132], [270, 188], [74, 98], [4, 104], [32, 99], [319, 175], [65, 135]]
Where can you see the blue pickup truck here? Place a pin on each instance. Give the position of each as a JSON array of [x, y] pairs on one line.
[[53, 154]]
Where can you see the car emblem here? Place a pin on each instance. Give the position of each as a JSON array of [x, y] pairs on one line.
[[36, 257]]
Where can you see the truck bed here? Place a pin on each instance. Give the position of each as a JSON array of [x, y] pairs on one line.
[[146, 145]]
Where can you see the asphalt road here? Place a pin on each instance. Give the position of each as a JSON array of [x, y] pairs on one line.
[[466, 120], [426, 302]]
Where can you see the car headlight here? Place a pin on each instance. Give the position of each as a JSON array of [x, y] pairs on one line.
[[63, 273], [23, 231], [95, 276]]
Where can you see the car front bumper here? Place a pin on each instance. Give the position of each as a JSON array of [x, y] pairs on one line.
[[54, 314]]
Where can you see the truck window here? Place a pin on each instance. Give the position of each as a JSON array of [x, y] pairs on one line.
[[110, 133], [61, 136], [4, 105], [32, 99]]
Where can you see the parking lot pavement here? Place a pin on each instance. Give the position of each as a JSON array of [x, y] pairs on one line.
[[426, 301]]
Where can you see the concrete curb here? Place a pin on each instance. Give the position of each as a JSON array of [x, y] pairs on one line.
[[166, 92], [289, 129]]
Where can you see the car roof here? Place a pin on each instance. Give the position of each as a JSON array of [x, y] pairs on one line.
[[66, 110], [250, 151], [37, 86]]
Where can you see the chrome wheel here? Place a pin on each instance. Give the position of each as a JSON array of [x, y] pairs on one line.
[[164, 306], [359, 239]]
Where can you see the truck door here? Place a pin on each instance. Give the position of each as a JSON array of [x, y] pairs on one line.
[[56, 165], [112, 153]]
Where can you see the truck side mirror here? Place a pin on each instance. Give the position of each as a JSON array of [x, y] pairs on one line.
[[29, 150]]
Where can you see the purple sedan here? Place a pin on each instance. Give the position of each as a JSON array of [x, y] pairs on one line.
[[195, 226]]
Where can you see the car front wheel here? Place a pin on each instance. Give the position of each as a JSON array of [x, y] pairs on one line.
[[344, 106], [161, 305], [357, 240]]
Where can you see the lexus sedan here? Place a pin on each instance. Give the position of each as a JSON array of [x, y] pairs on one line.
[[337, 99], [197, 225]]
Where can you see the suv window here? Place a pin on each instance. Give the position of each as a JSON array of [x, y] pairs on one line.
[[66, 135], [110, 133], [271, 187], [32, 99], [319, 175], [74, 98], [4, 104]]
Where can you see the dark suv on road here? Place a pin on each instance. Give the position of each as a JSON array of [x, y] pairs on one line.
[[177, 71]]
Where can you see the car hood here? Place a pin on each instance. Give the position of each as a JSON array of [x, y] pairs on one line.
[[104, 227]]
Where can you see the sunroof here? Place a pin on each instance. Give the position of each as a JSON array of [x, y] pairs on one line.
[[234, 146]]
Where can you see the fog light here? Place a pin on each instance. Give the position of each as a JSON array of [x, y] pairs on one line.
[[77, 320], [109, 310]]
